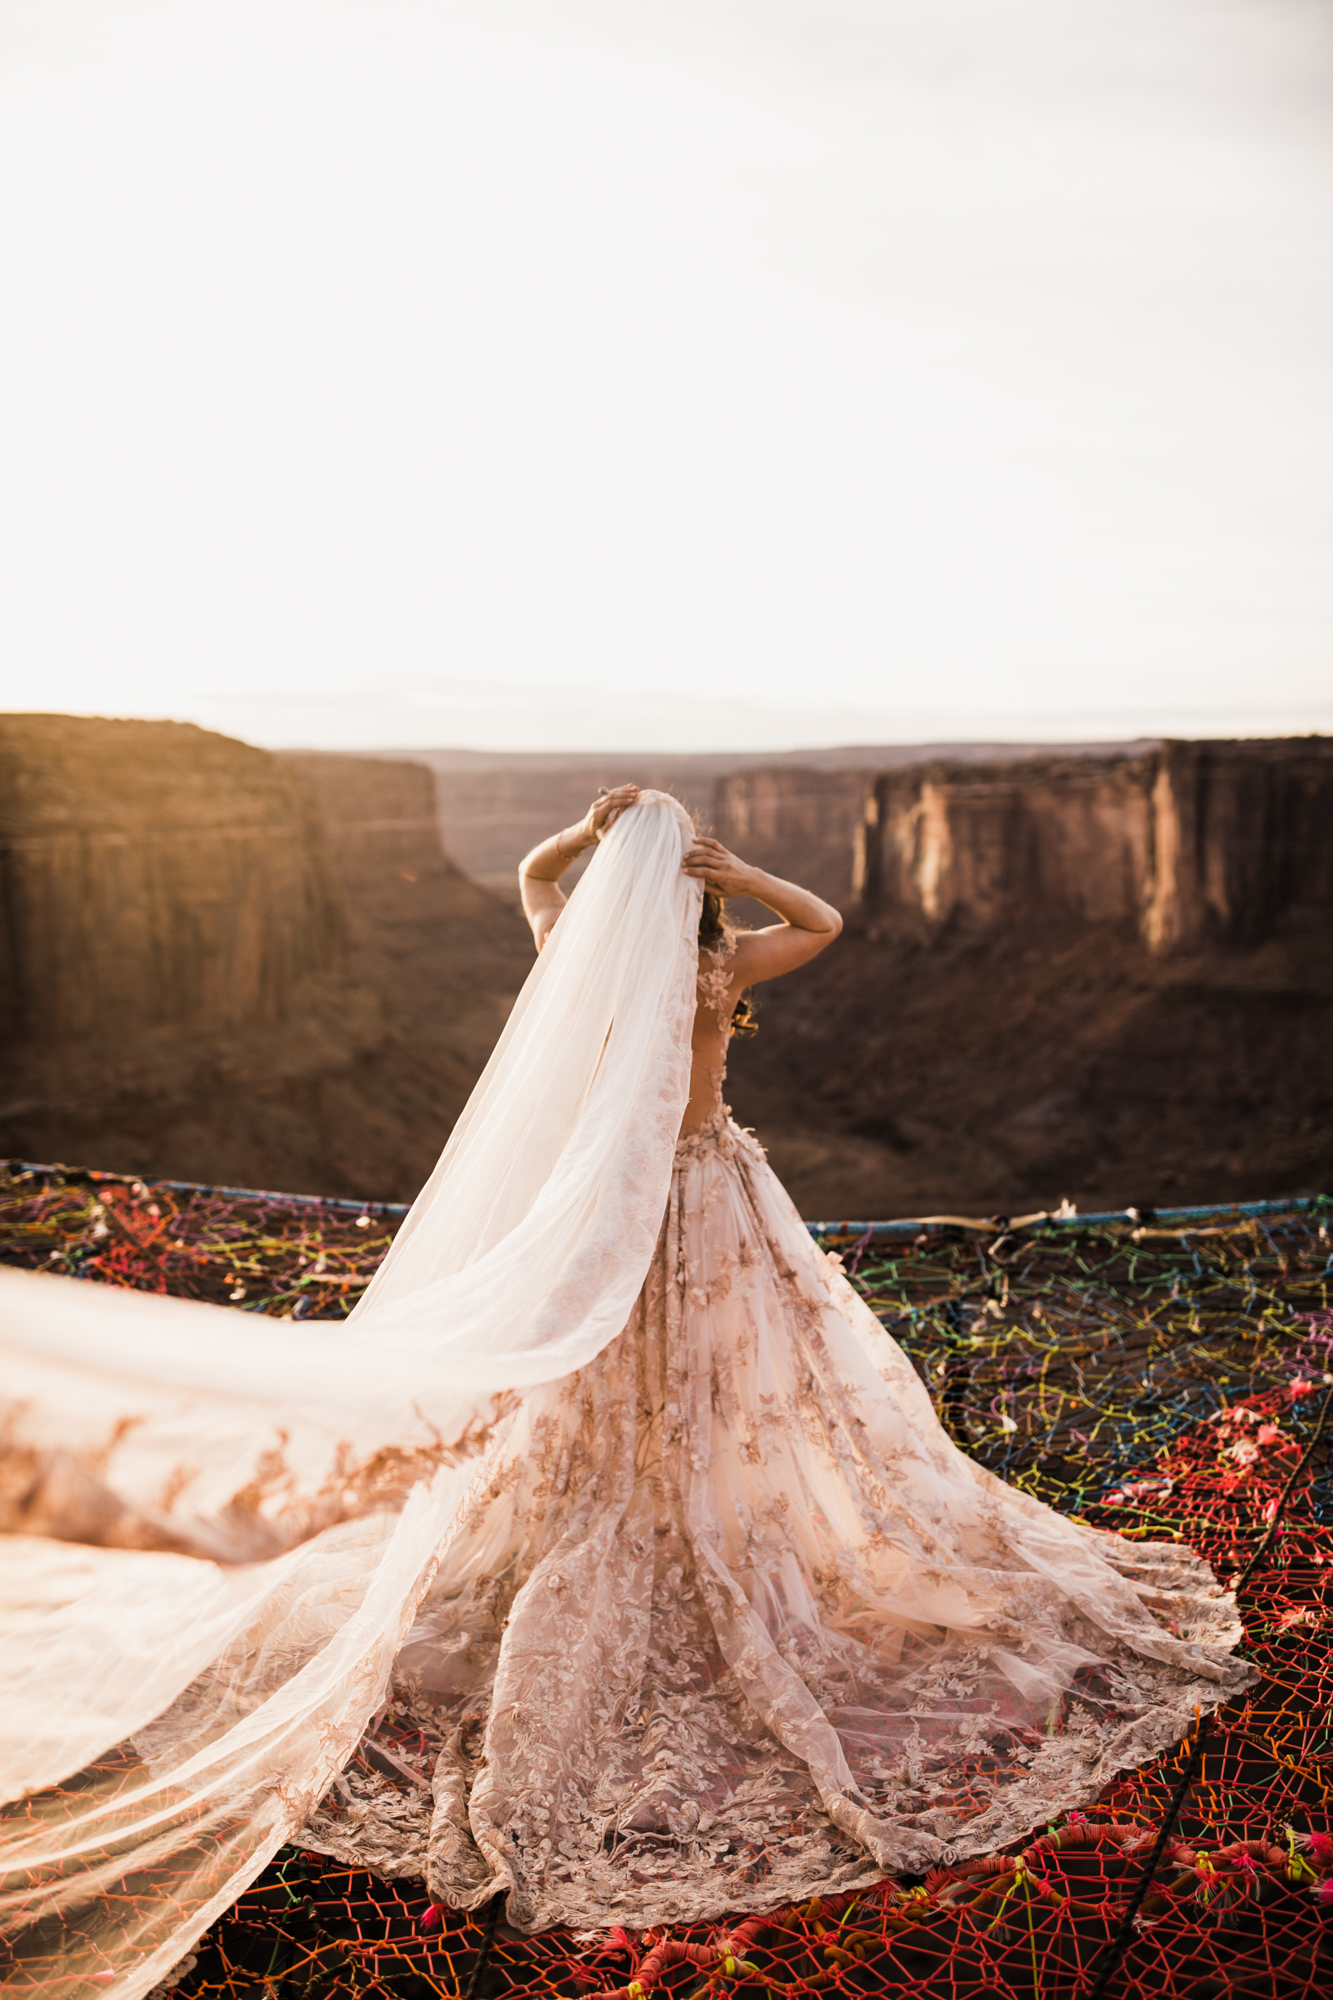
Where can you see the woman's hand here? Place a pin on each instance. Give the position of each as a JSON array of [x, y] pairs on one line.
[[539, 872], [709, 862], [604, 811]]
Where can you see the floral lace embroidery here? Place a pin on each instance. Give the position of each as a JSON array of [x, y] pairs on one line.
[[713, 995], [728, 1621], [715, 981], [716, 1135]]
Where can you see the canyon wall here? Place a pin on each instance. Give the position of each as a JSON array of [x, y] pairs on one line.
[[1192, 844], [379, 822], [226, 966], [1105, 977], [799, 823], [1242, 841], [786, 811], [154, 875], [803, 817]]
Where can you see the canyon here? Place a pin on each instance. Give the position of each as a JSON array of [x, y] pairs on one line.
[[223, 965], [803, 805], [1107, 978], [1096, 972], [1192, 843]]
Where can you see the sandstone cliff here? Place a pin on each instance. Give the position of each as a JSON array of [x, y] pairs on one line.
[[154, 874], [1108, 978], [1192, 843], [171, 930], [223, 965]]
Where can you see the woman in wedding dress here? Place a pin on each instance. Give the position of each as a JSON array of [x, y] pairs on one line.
[[612, 1558], [729, 1620]]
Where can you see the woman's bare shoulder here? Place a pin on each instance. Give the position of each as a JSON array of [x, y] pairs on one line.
[[767, 954]]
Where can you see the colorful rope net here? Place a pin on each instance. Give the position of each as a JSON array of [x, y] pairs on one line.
[[1168, 1377]]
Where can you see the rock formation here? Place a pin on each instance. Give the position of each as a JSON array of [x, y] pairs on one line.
[[222, 965], [155, 875], [1108, 978], [171, 933], [1193, 844]]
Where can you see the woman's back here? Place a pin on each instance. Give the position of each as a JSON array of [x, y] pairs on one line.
[[718, 994]]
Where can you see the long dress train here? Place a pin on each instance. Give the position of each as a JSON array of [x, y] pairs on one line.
[[717, 1616], [725, 1618]]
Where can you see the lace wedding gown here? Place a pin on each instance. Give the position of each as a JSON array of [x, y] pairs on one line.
[[610, 1554], [725, 1619]]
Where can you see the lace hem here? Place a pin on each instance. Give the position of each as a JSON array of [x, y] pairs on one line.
[[429, 1839]]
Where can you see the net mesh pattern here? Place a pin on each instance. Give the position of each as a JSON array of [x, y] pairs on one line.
[[1166, 1378]]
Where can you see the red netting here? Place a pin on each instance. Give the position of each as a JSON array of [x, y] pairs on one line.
[[1166, 1380]]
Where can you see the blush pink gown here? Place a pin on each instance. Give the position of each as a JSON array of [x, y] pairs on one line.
[[725, 1619]]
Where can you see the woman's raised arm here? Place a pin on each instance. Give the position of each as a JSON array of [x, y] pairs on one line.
[[808, 922], [539, 872]]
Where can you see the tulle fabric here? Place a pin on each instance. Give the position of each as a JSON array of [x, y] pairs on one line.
[[217, 1528], [727, 1619], [111, 1875], [141, 1422]]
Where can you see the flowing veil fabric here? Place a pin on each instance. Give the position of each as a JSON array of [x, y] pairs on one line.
[[219, 1528]]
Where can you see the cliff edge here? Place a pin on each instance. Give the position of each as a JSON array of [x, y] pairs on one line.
[[225, 965], [1108, 978], [1194, 844]]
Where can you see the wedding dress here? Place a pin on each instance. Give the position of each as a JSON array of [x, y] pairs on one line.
[[727, 1620], [611, 1557]]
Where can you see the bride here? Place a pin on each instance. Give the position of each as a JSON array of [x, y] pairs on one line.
[[611, 1557]]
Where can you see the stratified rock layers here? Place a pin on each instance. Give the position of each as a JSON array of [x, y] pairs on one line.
[[1103, 977], [1107, 976], [1195, 844], [218, 964]]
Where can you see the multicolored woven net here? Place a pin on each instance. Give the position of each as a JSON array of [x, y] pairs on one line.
[[1169, 1376]]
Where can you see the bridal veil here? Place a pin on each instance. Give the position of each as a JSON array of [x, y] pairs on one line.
[[219, 1526]]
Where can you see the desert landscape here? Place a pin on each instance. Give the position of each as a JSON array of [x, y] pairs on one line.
[[1101, 974]]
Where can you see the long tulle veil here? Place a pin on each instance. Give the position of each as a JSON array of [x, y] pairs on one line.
[[219, 1526]]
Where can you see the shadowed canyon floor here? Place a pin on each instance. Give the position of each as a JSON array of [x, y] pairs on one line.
[[903, 1078]]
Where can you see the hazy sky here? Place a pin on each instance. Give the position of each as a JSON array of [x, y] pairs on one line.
[[709, 373]]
